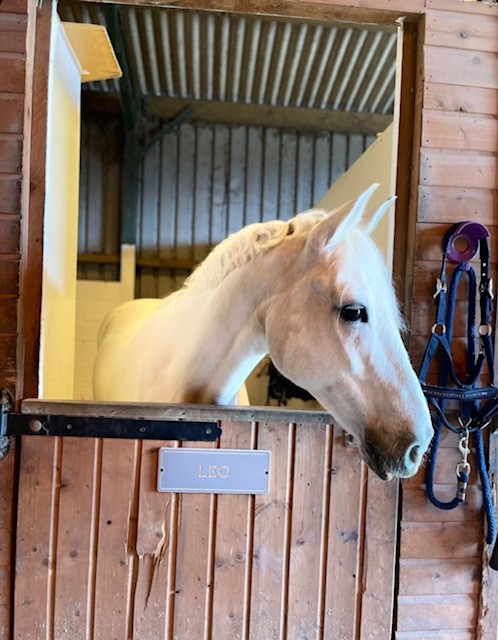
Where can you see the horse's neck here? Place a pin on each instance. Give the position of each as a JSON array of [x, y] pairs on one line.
[[216, 339]]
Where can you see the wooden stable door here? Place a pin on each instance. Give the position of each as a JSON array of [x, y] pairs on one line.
[[101, 554]]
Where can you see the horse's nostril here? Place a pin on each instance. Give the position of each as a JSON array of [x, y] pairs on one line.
[[414, 453]]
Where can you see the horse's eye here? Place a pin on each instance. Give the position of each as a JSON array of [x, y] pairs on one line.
[[353, 313]]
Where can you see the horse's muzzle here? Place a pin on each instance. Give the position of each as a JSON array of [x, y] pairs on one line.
[[404, 464]]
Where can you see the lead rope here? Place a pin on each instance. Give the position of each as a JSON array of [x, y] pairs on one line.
[[466, 393]]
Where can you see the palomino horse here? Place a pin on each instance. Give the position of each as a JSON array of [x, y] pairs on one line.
[[312, 292]]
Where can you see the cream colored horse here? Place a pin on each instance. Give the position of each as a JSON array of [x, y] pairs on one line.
[[312, 292]]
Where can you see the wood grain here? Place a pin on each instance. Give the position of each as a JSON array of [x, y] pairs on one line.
[[447, 205], [459, 98], [457, 169], [463, 132], [462, 31], [463, 67]]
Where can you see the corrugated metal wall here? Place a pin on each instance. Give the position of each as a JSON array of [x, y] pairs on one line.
[[199, 184]]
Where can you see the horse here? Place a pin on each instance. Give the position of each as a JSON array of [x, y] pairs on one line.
[[314, 294]]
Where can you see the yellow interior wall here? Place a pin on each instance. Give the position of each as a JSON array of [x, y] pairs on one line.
[[377, 164], [56, 371], [93, 301]]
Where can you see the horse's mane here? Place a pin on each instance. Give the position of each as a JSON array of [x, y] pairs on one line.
[[242, 247]]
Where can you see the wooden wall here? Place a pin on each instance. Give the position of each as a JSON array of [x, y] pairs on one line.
[[312, 559], [13, 63], [455, 178]]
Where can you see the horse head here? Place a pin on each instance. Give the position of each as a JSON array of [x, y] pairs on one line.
[[334, 328]]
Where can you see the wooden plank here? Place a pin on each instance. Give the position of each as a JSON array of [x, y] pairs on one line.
[[12, 72], [309, 524], [418, 508], [459, 98], [464, 67], [464, 132], [75, 540], [8, 314], [436, 612], [155, 548], [484, 8], [447, 205], [10, 152], [424, 316], [269, 553], [34, 166], [347, 510], [446, 540], [8, 479], [193, 560], [14, 6], [367, 11], [254, 115], [379, 559], [448, 458], [115, 555], [158, 411], [11, 113], [13, 32], [452, 169], [93, 50], [231, 553], [10, 194], [439, 577], [9, 275], [10, 233], [408, 160], [39, 482], [451, 634], [462, 31], [8, 357], [430, 242]]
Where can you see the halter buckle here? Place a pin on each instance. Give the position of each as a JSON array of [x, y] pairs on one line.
[[440, 329], [485, 329], [440, 286]]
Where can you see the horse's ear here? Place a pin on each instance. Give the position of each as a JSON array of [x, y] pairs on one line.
[[377, 216], [328, 233]]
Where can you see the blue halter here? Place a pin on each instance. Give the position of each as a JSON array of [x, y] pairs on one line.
[[472, 417]]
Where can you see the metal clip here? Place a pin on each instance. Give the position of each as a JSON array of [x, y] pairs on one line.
[[489, 288], [5, 407], [440, 286], [462, 490], [463, 466]]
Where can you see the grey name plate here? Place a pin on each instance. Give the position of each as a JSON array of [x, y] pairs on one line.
[[213, 471]]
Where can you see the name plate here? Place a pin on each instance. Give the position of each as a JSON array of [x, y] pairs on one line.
[[238, 471]]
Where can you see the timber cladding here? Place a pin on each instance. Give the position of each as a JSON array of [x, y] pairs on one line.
[[13, 33], [440, 593], [314, 558], [440, 551]]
